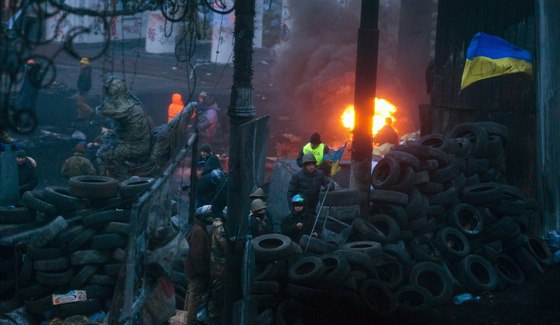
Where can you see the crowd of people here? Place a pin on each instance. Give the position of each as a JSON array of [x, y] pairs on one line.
[[205, 264]]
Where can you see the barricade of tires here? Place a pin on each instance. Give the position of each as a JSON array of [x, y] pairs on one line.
[[442, 221], [79, 243]]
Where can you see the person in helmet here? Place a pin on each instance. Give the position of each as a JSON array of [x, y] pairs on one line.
[[308, 182], [219, 249], [299, 222], [259, 193], [259, 223], [197, 262], [133, 132], [84, 85]]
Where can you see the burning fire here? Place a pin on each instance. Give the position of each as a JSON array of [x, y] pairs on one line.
[[383, 109]]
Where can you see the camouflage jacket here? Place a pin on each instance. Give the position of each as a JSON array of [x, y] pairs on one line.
[[77, 165], [260, 225], [218, 249]]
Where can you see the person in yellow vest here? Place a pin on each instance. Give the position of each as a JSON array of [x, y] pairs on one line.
[[318, 149]]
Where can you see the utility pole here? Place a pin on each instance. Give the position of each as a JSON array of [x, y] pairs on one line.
[[240, 110], [364, 95]]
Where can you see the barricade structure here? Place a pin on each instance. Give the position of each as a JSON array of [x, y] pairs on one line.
[[151, 216]]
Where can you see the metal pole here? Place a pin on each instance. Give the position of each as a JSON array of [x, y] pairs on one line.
[[240, 111], [364, 95]]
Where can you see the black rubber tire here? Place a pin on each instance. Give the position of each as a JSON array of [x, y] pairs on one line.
[[51, 265], [413, 298], [316, 245], [422, 249], [271, 247], [16, 215], [382, 229], [482, 193], [417, 204], [54, 279], [61, 198], [428, 165], [385, 173], [444, 174], [406, 180], [476, 134], [397, 212], [466, 218], [415, 149], [108, 241], [505, 227], [79, 308], [265, 288], [307, 270], [401, 254], [434, 141], [49, 232], [337, 270], [89, 257], [387, 196], [540, 250], [418, 224], [446, 198], [509, 273], [97, 291], [25, 272], [102, 218], [102, 279], [526, 261], [389, 271], [92, 186], [493, 128], [404, 158], [39, 306], [135, 187], [495, 145], [44, 253], [33, 291], [377, 297], [80, 240], [340, 197], [304, 293], [83, 276], [118, 228], [370, 248], [266, 272], [34, 202], [66, 236], [452, 243], [113, 269], [477, 274], [358, 261], [435, 279], [431, 188], [119, 255], [422, 177]]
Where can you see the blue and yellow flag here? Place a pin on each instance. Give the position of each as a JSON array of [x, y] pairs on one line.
[[490, 56], [335, 167]]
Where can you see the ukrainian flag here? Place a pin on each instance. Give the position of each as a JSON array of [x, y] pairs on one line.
[[490, 56], [335, 167]]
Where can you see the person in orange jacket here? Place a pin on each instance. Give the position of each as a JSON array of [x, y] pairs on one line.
[[175, 107]]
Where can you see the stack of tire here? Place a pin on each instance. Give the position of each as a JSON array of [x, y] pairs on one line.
[[442, 221], [84, 248]]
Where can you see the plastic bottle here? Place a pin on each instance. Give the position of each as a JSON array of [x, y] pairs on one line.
[[461, 298]]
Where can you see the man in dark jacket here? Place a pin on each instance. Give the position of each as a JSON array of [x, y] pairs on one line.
[[84, 85], [197, 262], [308, 182], [27, 172], [299, 222], [387, 134]]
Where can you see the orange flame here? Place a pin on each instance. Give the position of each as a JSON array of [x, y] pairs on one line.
[[383, 109]]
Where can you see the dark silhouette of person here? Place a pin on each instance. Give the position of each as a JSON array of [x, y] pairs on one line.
[[387, 134]]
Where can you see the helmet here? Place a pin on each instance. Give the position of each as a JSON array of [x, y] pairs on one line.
[[257, 205], [114, 86], [216, 176], [204, 214], [258, 193], [84, 61], [297, 200], [308, 158]]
